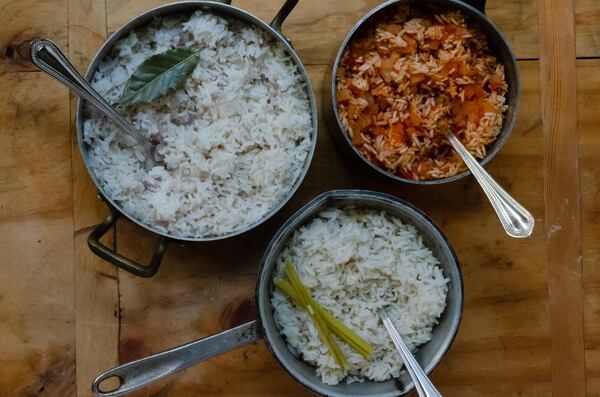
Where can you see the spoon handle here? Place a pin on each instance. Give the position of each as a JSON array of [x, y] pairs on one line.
[[49, 59], [422, 383], [515, 219]]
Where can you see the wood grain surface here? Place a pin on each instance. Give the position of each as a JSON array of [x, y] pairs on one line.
[[96, 285], [588, 89], [531, 320], [561, 194]]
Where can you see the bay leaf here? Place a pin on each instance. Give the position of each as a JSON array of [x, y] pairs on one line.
[[157, 75]]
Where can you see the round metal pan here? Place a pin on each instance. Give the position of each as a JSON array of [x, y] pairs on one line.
[[475, 11], [221, 8], [138, 373]]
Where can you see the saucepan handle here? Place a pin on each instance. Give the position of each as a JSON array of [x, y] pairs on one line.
[[136, 374], [478, 4], [283, 13], [119, 260]]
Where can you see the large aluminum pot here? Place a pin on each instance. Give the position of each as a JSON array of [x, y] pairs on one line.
[[139, 373], [475, 11], [116, 211]]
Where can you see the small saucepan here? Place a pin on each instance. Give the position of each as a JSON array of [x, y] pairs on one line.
[[146, 370], [475, 11], [218, 7]]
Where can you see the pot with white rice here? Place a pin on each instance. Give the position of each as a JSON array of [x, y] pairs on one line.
[[234, 140], [354, 252]]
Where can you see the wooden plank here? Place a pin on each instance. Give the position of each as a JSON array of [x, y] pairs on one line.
[[588, 98], [26, 19], [587, 28], [518, 21], [561, 183], [317, 27], [96, 291], [37, 348], [202, 288]]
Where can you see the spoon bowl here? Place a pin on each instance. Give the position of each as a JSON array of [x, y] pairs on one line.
[[515, 219]]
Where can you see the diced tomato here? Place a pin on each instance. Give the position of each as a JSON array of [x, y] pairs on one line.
[[411, 132], [354, 111], [473, 91], [414, 118], [356, 138], [343, 95], [468, 111], [396, 134], [363, 121], [411, 44], [383, 103], [451, 67], [373, 108], [488, 107], [378, 130]]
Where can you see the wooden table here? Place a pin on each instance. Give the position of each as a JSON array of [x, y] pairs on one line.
[[531, 323]]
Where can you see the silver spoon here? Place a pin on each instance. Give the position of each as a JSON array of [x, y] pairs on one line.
[[422, 383], [49, 59], [515, 219]]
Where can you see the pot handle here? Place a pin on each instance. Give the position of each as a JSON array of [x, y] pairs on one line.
[[477, 4], [283, 13], [119, 260], [138, 373]]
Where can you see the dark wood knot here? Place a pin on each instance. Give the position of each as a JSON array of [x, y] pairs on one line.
[[18, 53]]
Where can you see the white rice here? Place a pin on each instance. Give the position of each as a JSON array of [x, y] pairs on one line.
[[234, 137], [354, 262]]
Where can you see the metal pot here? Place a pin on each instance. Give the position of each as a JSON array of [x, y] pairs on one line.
[[221, 7], [146, 370], [475, 11]]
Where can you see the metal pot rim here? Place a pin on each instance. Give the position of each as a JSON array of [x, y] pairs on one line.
[[507, 125], [232, 12]]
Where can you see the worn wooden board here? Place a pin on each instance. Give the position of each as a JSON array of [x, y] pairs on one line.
[[65, 315], [588, 90], [37, 325], [587, 27], [561, 185], [96, 285]]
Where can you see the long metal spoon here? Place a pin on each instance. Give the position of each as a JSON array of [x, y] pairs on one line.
[[422, 383], [49, 59], [515, 219]]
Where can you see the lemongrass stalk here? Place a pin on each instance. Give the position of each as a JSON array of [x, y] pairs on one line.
[[355, 341], [285, 287], [322, 329]]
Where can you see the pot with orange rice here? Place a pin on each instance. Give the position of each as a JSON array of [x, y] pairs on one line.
[[410, 71]]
